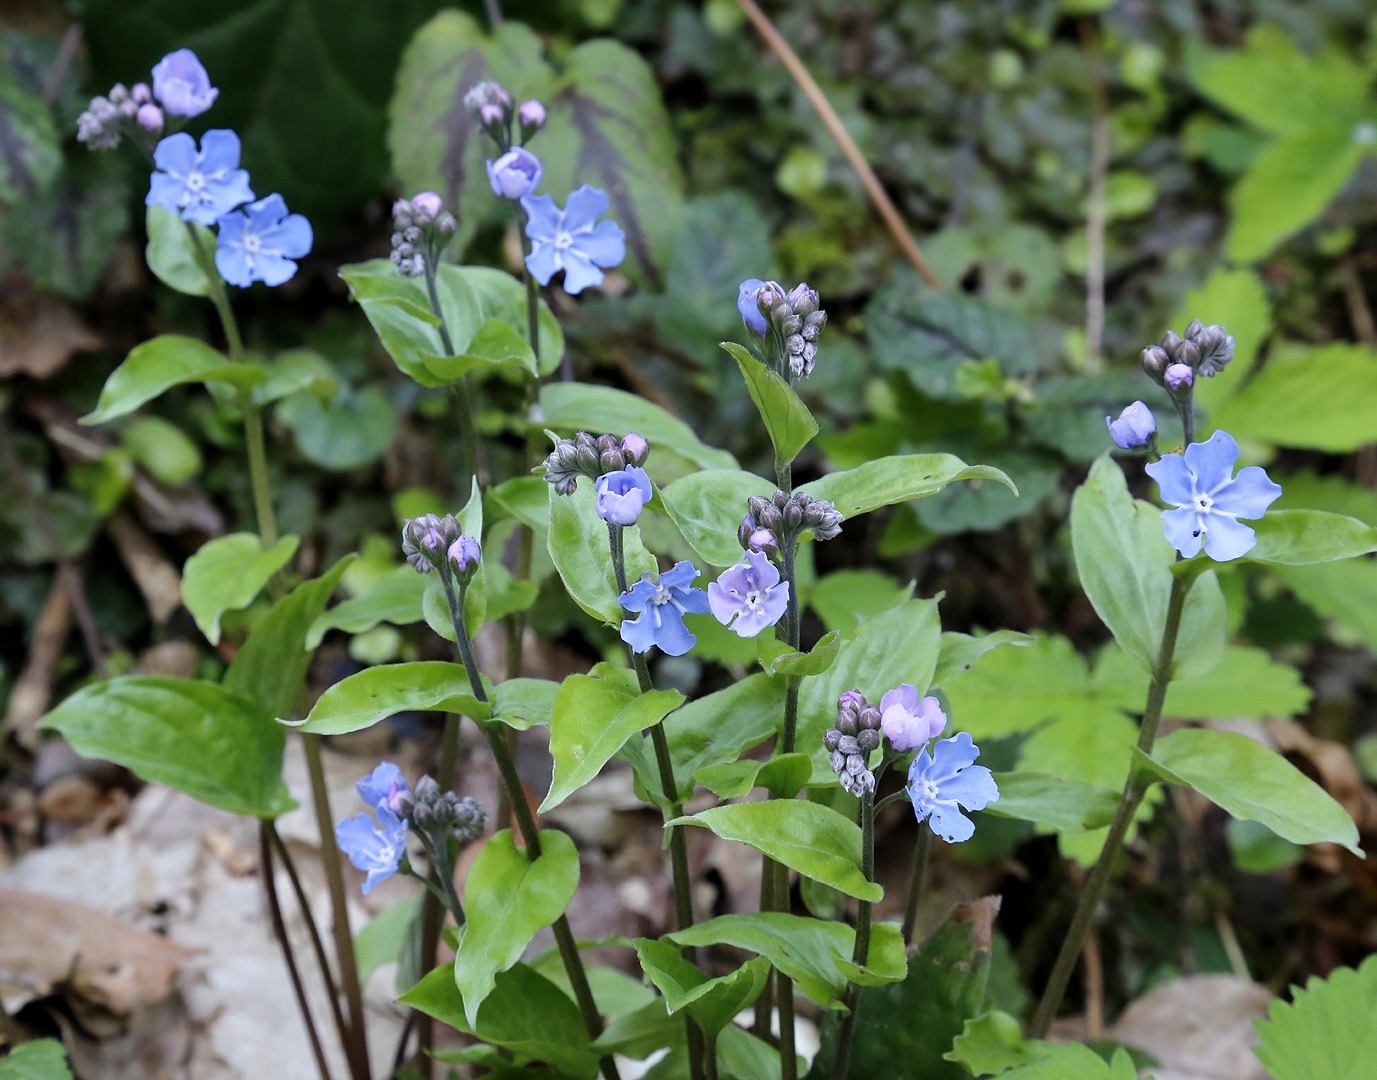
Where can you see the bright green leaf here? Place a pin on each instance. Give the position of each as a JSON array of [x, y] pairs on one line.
[[778, 659], [1327, 1031], [897, 478], [161, 363], [787, 420], [524, 703], [961, 651], [41, 1059], [227, 573], [992, 1043], [708, 505], [581, 550], [371, 695], [394, 599], [1065, 805], [171, 254]]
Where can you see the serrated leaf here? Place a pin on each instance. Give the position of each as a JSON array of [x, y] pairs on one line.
[[227, 573], [895, 479], [41, 1059], [573, 406], [787, 420], [1328, 1031], [161, 363], [707, 507], [581, 550], [1252, 782], [813, 839], [590, 722], [1247, 682], [508, 896], [197, 737], [1236, 299], [374, 694]]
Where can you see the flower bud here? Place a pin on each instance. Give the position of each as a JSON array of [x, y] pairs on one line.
[[847, 745], [119, 93], [491, 116], [635, 448], [141, 93], [515, 174], [847, 724], [1135, 427], [425, 207], [128, 109], [831, 739], [1171, 340], [837, 761], [587, 453], [793, 517], [1188, 354], [464, 555], [1154, 360], [612, 460], [744, 530], [150, 118], [1193, 330], [1178, 377], [531, 116], [762, 540], [446, 223], [868, 740]]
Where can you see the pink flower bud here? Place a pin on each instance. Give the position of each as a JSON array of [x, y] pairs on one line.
[[150, 117], [531, 115]]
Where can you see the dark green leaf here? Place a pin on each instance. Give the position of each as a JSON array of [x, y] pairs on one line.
[[42, 1059], [160, 363], [29, 154], [351, 430], [380, 941]]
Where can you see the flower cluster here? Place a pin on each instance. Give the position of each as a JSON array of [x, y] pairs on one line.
[[584, 455], [443, 813], [787, 515], [377, 848], [851, 739], [1205, 350], [661, 608], [494, 109], [431, 542], [792, 320], [202, 184], [421, 227]]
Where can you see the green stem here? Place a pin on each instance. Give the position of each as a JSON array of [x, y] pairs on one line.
[[793, 630], [526, 823], [915, 881], [784, 986], [841, 1064], [1134, 789], [443, 872]]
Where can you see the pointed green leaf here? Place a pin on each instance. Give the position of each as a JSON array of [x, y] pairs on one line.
[[1303, 537], [1065, 805], [708, 506], [227, 573], [197, 737], [582, 553], [395, 599], [711, 1002], [524, 703], [992, 1043], [779, 659], [1327, 1031], [271, 666], [164, 362], [717, 727], [1252, 782], [507, 898], [813, 839], [790, 425], [898, 478], [376, 693], [784, 775], [591, 720]]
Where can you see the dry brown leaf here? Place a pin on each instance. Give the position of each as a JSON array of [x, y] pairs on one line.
[[1200, 1025], [39, 334]]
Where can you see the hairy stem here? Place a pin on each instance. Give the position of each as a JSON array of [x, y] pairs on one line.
[[841, 1064], [1134, 789]]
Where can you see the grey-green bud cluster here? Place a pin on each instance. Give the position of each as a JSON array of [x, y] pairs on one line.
[[444, 813], [123, 112], [584, 455], [1206, 350], [851, 739], [795, 321], [787, 515], [426, 540], [421, 228], [492, 109]]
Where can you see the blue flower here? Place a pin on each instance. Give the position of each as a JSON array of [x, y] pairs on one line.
[[569, 240], [377, 850], [621, 495], [941, 782], [751, 593], [1209, 499], [749, 308], [1134, 427], [181, 84], [259, 242], [662, 609], [515, 173], [202, 185], [907, 722]]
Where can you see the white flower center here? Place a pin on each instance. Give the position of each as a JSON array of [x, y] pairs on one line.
[[927, 790], [755, 598], [564, 240], [195, 182], [252, 243], [660, 597]]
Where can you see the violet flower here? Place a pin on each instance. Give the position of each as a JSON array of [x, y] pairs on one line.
[[751, 593], [907, 722]]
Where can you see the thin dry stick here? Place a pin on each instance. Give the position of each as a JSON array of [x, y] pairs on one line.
[[1095, 216], [1094, 986], [873, 188]]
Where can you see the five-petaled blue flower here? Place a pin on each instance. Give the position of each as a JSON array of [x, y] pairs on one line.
[[569, 240], [259, 242], [751, 593], [941, 782], [1209, 499], [181, 84], [621, 495], [201, 185], [377, 850], [662, 609], [1135, 426]]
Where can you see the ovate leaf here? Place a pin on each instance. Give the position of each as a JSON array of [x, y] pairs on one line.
[[895, 479], [160, 363], [371, 695], [787, 419], [581, 550], [227, 573]]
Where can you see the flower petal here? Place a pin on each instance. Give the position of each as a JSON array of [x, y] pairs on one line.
[[639, 633], [586, 204], [579, 272], [1173, 479], [292, 238], [1227, 538], [220, 149], [1249, 496], [950, 824], [681, 576], [543, 262], [1182, 530], [674, 638], [176, 154], [640, 594], [378, 785], [605, 245], [973, 787], [1212, 461], [950, 756], [905, 694]]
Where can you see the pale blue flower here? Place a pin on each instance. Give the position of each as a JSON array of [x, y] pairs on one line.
[[1209, 499], [201, 185], [907, 722], [662, 609], [569, 239], [384, 785], [747, 304], [181, 84], [515, 173], [622, 495], [1134, 427], [260, 242], [751, 593], [377, 849], [940, 783]]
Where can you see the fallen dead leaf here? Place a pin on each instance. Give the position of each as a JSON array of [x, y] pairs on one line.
[[1200, 1026], [39, 334]]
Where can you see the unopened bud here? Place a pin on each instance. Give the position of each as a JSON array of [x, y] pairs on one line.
[[150, 118], [1154, 360], [635, 448], [1178, 376], [531, 116], [141, 93], [426, 207]]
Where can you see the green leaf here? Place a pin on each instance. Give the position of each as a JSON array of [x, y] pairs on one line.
[[507, 898], [380, 941], [711, 1002], [227, 573], [271, 665], [164, 362], [1237, 299], [607, 127], [30, 156], [1302, 537], [895, 479], [170, 253], [787, 419], [961, 651], [197, 737], [525, 1012], [813, 839], [294, 370], [1256, 849], [1065, 805], [1124, 562], [992, 1043], [845, 598], [894, 647], [161, 447], [592, 718], [350, 430], [42, 1059], [371, 695], [719, 726], [1340, 591], [708, 506], [573, 406], [785, 775], [523, 498], [582, 553], [1320, 398], [1248, 682], [1073, 1061], [394, 599], [525, 703], [1327, 1031], [1251, 782], [778, 659]]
